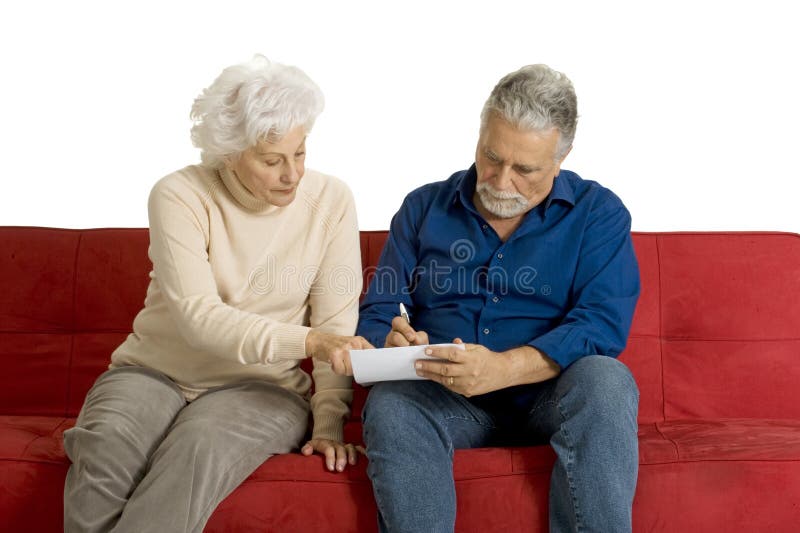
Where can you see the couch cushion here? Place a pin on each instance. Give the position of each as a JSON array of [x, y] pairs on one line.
[[708, 469], [112, 277], [731, 379], [36, 373], [730, 324], [37, 279]]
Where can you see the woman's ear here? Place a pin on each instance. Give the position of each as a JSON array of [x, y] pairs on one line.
[[230, 160]]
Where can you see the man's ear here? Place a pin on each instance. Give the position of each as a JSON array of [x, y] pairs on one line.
[[558, 163]]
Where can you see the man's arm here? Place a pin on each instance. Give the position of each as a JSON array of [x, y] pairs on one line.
[[604, 291], [392, 278]]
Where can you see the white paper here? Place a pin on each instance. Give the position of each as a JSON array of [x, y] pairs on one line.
[[389, 364]]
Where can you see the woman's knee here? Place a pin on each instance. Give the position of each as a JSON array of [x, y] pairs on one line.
[[127, 410]]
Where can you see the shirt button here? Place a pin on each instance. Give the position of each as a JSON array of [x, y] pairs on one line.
[[486, 331], [499, 256], [495, 299], [485, 226]]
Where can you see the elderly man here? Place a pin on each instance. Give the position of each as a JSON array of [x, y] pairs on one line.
[[532, 269]]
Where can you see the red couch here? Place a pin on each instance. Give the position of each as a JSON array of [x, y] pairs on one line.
[[715, 348]]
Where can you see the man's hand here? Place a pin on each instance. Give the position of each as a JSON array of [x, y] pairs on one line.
[[402, 334], [334, 349], [337, 454], [478, 370]]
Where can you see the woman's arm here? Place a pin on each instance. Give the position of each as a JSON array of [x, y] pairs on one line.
[[179, 240]]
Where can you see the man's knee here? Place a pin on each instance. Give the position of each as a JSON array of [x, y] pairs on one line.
[[603, 381], [391, 404]]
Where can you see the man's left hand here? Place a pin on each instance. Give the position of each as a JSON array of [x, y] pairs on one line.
[[471, 371]]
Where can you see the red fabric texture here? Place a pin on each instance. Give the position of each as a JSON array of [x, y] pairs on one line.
[[714, 348]]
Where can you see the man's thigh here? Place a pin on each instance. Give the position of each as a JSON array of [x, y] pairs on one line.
[[398, 409], [599, 384]]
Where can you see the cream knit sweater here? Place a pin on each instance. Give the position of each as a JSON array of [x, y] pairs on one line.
[[237, 283]]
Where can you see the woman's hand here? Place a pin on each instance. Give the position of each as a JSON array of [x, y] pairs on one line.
[[337, 454], [334, 349]]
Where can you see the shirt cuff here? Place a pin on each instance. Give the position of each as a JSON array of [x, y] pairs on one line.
[[288, 342], [555, 345]]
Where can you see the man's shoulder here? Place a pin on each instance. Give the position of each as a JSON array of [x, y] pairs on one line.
[[590, 192], [437, 190]]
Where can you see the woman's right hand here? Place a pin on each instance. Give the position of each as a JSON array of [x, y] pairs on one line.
[[335, 349]]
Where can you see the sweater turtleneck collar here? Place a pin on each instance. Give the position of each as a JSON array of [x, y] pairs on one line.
[[242, 195]]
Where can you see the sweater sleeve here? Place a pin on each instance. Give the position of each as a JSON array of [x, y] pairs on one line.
[[334, 309], [179, 241]]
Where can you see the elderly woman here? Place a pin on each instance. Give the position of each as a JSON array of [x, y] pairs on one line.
[[256, 266]]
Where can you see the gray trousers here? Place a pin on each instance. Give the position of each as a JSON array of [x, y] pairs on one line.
[[143, 459]]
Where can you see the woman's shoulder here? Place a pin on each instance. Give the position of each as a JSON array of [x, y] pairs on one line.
[[325, 190], [191, 184], [189, 177]]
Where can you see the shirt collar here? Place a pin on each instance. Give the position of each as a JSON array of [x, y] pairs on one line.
[[465, 191]]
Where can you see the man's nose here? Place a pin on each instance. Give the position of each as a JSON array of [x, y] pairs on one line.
[[503, 178]]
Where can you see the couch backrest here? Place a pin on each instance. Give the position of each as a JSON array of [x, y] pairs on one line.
[[716, 332]]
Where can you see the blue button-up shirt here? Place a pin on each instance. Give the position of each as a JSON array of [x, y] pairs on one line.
[[565, 282]]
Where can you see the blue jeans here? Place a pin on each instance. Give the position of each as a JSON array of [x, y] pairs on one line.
[[588, 415]]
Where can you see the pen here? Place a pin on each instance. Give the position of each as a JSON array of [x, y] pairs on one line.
[[404, 313]]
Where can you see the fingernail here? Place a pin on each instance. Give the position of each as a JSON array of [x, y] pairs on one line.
[[428, 351], [417, 365]]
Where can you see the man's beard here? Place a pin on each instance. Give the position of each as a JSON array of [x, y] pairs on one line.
[[503, 204]]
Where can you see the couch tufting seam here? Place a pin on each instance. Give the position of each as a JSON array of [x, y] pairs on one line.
[[661, 332], [674, 444], [50, 435], [73, 324]]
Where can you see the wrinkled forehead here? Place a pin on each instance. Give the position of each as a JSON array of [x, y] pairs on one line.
[[507, 141], [291, 141]]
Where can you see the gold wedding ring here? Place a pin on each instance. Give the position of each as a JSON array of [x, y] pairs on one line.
[[450, 381]]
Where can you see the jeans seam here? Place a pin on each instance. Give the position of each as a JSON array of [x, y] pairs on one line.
[[568, 467], [467, 419]]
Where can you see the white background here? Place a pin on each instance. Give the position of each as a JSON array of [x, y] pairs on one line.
[[688, 110]]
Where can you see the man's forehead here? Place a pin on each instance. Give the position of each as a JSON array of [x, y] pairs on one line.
[[508, 141]]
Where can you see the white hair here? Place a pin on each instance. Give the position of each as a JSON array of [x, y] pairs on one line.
[[536, 98], [250, 102]]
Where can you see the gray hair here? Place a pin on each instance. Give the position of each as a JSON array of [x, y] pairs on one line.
[[250, 102], [536, 98]]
